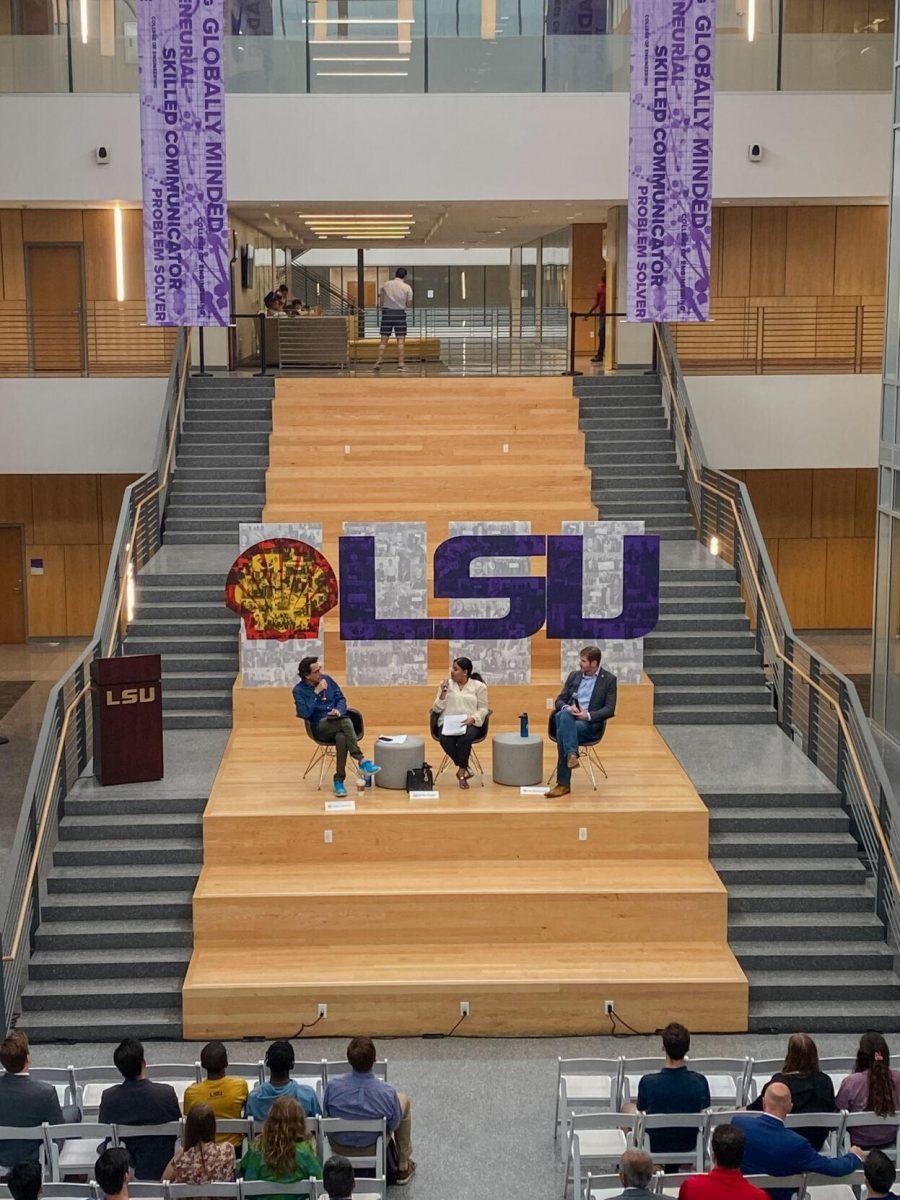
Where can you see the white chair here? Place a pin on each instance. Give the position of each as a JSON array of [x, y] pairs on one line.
[[342, 1067], [62, 1078], [364, 1189], [199, 1191], [832, 1122], [146, 1190], [333, 1127], [855, 1120], [760, 1072], [240, 1125], [596, 1140], [253, 1072], [592, 1084], [63, 1191], [699, 1123], [634, 1070], [797, 1183], [31, 1133], [600, 1187], [127, 1135], [73, 1149], [668, 1183], [838, 1067], [179, 1075], [90, 1084], [262, 1187], [826, 1187], [727, 1078], [313, 1073]]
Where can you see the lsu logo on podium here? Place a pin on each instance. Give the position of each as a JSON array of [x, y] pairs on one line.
[[135, 695]]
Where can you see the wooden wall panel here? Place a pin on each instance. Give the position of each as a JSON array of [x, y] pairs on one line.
[[809, 251], [833, 503], [587, 268], [715, 253], [736, 230], [82, 589], [13, 254], [783, 508], [99, 255], [52, 225], [15, 502], [767, 251], [860, 250], [849, 582], [111, 489], [801, 577], [66, 508], [866, 503], [47, 592]]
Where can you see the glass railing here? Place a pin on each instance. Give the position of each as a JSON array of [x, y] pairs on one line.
[[389, 46]]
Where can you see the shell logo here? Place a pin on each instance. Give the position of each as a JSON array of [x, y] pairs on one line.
[[281, 588]]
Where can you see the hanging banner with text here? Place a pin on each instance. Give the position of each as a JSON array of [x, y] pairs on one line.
[[670, 159], [186, 259]]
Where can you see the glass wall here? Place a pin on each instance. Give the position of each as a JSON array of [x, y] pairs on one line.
[[325, 46]]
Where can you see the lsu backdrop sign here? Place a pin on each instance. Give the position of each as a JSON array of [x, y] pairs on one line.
[[670, 159], [182, 94]]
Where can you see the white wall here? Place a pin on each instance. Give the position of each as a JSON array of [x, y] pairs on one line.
[[79, 426], [759, 421], [479, 147]]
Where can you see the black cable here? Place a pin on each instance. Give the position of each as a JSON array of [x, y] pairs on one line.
[[616, 1019], [319, 1018], [436, 1036]]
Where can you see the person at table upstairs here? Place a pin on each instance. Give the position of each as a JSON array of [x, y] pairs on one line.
[[464, 695]]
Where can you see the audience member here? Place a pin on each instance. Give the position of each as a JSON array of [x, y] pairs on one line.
[[674, 1089], [636, 1172], [725, 1181], [360, 1094], [138, 1101], [771, 1149], [881, 1174], [201, 1159], [280, 293], [394, 298], [586, 702], [811, 1089], [464, 695], [281, 1153], [337, 1175], [319, 700], [873, 1087], [280, 1061], [111, 1172], [225, 1094], [24, 1101], [24, 1180]]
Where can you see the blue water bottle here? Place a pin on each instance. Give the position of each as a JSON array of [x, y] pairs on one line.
[[523, 724]]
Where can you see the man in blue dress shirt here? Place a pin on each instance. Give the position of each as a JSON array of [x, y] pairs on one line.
[[320, 701]]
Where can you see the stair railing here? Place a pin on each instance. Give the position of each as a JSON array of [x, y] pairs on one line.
[[64, 744], [818, 706]]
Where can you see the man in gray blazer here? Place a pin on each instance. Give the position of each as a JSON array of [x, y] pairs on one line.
[[585, 704], [24, 1102], [636, 1172]]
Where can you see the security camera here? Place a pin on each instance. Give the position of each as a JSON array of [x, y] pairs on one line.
[[101, 155], [755, 152]]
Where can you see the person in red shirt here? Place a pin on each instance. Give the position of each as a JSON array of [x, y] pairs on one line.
[[599, 306], [724, 1181]]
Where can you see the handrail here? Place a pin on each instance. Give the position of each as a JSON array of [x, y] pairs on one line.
[[63, 745], [857, 743]]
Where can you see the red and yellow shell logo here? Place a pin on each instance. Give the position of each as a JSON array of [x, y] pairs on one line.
[[281, 588]]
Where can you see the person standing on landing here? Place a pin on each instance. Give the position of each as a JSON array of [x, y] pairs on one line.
[[394, 298]]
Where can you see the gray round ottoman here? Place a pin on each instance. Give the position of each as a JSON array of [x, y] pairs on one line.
[[395, 759], [518, 761]]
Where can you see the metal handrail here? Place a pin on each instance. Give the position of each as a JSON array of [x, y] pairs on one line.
[[853, 741], [63, 746]]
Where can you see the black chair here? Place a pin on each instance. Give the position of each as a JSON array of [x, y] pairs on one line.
[[445, 761], [586, 751], [325, 751]]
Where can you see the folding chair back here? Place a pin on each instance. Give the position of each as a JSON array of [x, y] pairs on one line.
[[90, 1084], [198, 1191], [602, 1187], [760, 1072], [253, 1072], [312, 1073], [891, 1126], [262, 1187], [832, 1122], [363, 1189], [376, 1157], [596, 1139], [62, 1079], [668, 1183], [592, 1084], [73, 1149], [698, 1122], [796, 1183], [147, 1190], [838, 1067], [633, 1070], [342, 1067], [727, 1079], [64, 1191], [179, 1075]]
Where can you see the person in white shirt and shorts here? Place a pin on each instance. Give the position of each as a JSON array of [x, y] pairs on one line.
[[394, 299]]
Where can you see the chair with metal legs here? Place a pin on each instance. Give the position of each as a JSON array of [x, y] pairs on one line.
[[586, 751], [445, 761], [325, 751]]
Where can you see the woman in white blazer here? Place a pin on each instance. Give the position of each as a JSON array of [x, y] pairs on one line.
[[464, 694]]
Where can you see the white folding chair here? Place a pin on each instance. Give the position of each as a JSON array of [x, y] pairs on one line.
[[73, 1149], [668, 1183], [30, 1133], [127, 1135], [634, 1070], [855, 1120], [313, 1074], [363, 1189], [179, 1075], [591, 1084], [596, 1140], [727, 1079], [332, 1127], [262, 1187], [826, 1187], [147, 1190], [202, 1191], [242, 1126], [838, 1067], [62, 1079], [695, 1158], [253, 1072], [832, 1122], [379, 1070], [759, 1073], [599, 1187], [64, 1191], [797, 1183], [90, 1084]]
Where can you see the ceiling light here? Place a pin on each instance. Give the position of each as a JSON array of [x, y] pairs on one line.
[[751, 20], [83, 12], [352, 216]]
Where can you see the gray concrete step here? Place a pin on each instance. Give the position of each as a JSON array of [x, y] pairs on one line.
[[147, 852], [196, 701], [824, 1016], [78, 826], [100, 1023], [112, 937], [61, 995], [150, 907], [732, 714], [786, 899], [721, 694], [135, 964], [801, 987], [808, 957], [726, 846], [197, 719], [157, 877], [812, 928], [778, 821]]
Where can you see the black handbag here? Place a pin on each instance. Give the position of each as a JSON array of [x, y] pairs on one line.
[[420, 779]]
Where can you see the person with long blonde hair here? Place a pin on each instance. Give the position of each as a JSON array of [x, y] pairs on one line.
[[281, 1153]]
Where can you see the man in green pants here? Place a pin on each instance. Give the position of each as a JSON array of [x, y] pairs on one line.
[[320, 701]]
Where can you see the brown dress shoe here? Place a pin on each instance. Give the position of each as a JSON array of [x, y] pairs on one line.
[[405, 1174], [561, 789], [573, 761]]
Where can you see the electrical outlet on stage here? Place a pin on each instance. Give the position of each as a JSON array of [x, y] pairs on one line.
[[463, 1008], [329, 836], [322, 1013], [582, 833], [608, 1007]]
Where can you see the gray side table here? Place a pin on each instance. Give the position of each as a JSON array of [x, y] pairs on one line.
[[395, 759], [518, 761]]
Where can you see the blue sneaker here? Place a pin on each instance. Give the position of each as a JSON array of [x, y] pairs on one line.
[[339, 789], [368, 767]]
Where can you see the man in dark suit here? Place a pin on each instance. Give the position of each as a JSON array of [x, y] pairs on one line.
[[24, 1101], [636, 1172], [771, 1149], [138, 1101], [583, 707]]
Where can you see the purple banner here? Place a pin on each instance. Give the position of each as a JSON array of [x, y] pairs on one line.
[[670, 159], [186, 260]]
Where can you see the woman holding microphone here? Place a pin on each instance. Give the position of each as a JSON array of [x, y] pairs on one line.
[[464, 695]]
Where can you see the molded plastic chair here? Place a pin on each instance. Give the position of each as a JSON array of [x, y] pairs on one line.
[[325, 751], [592, 1084], [479, 737], [586, 750]]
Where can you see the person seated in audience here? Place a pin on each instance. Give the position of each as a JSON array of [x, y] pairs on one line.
[[636, 1173], [225, 1094], [24, 1101], [725, 1181], [201, 1159], [873, 1087], [139, 1101], [880, 1171], [586, 702], [337, 1175], [280, 293], [319, 700], [772, 1149], [281, 1153], [811, 1089], [674, 1089], [111, 1172], [464, 695], [359, 1093], [280, 1061], [25, 1179]]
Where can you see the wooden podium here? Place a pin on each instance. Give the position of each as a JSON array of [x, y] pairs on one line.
[[126, 701]]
